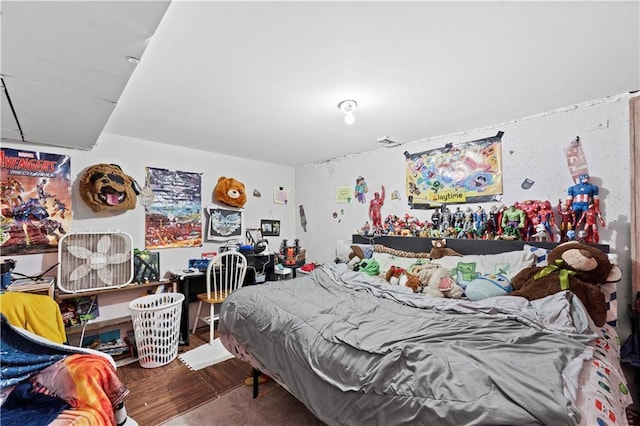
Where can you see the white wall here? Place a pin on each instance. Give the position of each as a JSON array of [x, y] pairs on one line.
[[133, 155], [532, 148]]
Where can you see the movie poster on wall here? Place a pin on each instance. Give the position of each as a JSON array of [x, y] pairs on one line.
[[470, 172], [173, 219], [36, 201]]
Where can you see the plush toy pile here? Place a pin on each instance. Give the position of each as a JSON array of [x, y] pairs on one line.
[[571, 266], [436, 281]]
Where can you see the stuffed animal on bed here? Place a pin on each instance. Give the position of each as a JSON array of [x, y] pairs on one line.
[[399, 276], [437, 281], [230, 191], [571, 266], [441, 250], [487, 285]]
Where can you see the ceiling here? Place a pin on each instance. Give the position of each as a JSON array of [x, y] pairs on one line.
[[262, 80]]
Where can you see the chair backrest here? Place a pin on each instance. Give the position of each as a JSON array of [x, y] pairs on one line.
[[225, 273]]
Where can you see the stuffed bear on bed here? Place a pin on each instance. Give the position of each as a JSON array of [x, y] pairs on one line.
[[571, 266]]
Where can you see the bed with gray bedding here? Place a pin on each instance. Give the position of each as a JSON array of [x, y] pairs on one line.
[[357, 351]]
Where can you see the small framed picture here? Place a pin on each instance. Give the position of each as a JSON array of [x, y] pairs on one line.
[[270, 228]]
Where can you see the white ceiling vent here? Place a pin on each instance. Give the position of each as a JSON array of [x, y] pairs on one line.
[[387, 142]]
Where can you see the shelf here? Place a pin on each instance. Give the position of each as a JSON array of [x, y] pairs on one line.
[[62, 295], [91, 326]]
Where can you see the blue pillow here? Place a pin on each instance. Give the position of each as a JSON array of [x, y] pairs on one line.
[[488, 285]]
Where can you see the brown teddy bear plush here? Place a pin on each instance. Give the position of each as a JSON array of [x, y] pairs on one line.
[[230, 191], [441, 250], [107, 187], [572, 266]]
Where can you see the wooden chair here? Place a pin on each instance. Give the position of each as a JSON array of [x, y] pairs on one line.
[[225, 275]]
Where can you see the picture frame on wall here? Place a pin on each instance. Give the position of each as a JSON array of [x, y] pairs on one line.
[[146, 266], [270, 228], [224, 224]]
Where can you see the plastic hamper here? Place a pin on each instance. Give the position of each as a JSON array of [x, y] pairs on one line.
[[156, 324]]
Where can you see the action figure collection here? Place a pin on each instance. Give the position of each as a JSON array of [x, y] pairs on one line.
[[531, 220]]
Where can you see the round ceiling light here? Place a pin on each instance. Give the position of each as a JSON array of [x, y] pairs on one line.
[[348, 107]]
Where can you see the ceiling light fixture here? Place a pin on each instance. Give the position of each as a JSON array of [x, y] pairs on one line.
[[348, 107]]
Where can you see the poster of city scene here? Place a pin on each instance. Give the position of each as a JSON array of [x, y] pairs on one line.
[[174, 217]]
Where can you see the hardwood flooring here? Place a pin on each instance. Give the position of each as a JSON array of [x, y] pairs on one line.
[[159, 394]]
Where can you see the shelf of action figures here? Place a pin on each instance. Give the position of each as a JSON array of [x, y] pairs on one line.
[[461, 245]]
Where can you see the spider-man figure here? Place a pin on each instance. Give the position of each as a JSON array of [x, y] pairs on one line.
[[581, 195], [545, 212]]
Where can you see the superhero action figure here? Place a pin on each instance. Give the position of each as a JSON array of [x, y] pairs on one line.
[[581, 195], [545, 212], [513, 221], [567, 221], [591, 218], [375, 206]]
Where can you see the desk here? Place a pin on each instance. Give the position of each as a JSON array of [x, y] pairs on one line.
[[193, 284]]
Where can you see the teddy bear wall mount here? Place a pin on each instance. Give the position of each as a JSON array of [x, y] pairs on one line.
[[230, 191]]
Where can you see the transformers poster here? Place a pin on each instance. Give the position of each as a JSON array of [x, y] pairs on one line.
[[36, 201], [173, 219], [470, 172]]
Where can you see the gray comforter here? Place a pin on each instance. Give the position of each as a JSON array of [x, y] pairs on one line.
[[356, 350]]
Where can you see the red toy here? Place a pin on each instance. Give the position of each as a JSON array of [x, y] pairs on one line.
[[591, 218], [567, 220], [375, 206]]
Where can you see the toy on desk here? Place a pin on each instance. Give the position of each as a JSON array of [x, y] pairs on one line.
[[291, 255]]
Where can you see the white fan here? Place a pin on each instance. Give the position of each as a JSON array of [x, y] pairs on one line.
[[90, 261]]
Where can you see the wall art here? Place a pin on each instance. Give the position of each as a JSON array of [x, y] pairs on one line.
[[469, 172], [36, 201], [173, 219]]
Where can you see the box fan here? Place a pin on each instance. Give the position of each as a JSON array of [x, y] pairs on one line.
[[90, 261]]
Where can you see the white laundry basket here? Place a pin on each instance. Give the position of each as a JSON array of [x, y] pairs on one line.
[[156, 323]]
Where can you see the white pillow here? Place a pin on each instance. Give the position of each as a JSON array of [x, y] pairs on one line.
[[508, 263], [540, 254], [343, 249]]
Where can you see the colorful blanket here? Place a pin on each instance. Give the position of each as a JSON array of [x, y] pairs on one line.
[[68, 377]]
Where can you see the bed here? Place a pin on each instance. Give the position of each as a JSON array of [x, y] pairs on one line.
[[357, 350]]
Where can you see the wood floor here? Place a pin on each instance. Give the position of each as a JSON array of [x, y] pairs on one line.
[[159, 394]]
